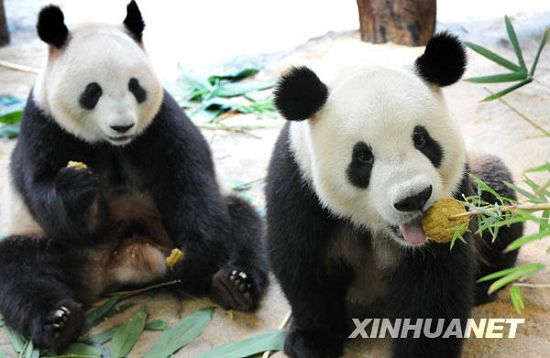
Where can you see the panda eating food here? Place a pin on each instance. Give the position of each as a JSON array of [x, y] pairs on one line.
[[357, 164], [145, 185]]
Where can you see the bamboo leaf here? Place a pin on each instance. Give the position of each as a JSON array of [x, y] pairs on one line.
[[17, 342], [269, 341], [541, 168], [528, 195], [507, 90], [499, 78], [517, 299], [127, 335], [82, 349], [537, 56], [240, 89], [181, 334], [105, 336], [514, 40], [502, 273], [493, 56], [95, 316], [156, 325], [235, 76], [517, 243], [11, 117], [10, 131], [514, 276]]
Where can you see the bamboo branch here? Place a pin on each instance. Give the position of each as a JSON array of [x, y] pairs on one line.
[[18, 67], [284, 322], [504, 208]]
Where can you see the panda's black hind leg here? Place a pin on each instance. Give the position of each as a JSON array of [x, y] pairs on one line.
[[493, 172], [35, 298], [240, 283]]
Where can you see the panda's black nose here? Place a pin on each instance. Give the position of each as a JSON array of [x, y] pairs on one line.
[[122, 129], [414, 202]]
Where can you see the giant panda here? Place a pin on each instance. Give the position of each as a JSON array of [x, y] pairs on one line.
[[149, 186], [357, 163]]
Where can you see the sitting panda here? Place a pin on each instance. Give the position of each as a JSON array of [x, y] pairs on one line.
[[358, 162], [149, 187]]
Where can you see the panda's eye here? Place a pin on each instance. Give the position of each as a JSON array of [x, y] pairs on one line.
[[362, 154], [137, 90], [89, 98], [419, 138]]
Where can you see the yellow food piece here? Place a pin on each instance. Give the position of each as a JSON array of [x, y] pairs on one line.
[[76, 165], [175, 256], [437, 221]]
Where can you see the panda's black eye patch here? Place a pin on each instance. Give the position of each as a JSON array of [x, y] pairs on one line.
[[137, 90], [427, 145], [360, 167], [89, 98]]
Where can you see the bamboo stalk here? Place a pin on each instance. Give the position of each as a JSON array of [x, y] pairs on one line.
[[505, 208], [18, 67]]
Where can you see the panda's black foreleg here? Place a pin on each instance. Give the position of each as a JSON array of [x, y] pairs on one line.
[[241, 281], [433, 283], [35, 294]]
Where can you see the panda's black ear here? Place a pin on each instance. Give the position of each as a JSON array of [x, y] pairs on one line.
[[300, 94], [134, 22], [444, 60], [51, 26]]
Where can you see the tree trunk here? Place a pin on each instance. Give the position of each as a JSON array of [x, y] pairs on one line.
[[4, 34], [404, 22]]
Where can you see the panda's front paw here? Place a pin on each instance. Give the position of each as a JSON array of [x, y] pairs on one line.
[[78, 189], [60, 326], [235, 289], [312, 344]]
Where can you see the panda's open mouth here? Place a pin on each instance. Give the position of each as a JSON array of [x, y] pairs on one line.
[[411, 231]]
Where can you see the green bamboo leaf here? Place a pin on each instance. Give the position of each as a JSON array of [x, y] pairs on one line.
[[537, 56], [517, 299], [156, 325], [481, 184], [507, 90], [82, 349], [493, 56], [528, 195], [541, 168], [502, 273], [514, 276], [269, 341], [2, 354], [17, 342], [11, 118], [127, 335], [105, 336], [235, 76], [514, 40], [517, 243], [97, 315], [499, 78], [240, 89], [181, 334]]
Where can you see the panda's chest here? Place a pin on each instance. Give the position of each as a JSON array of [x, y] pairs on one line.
[[371, 260], [117, 171]]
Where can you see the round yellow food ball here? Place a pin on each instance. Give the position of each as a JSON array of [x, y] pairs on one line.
[[437, 222]]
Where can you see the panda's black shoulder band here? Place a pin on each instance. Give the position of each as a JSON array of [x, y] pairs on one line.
[[444, 60], [300, 94], [51, 26]]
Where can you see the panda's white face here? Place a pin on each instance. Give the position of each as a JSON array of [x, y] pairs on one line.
[[381, 150], [100, 86]]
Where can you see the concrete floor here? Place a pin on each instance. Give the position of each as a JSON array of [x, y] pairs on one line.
[[487, 127]]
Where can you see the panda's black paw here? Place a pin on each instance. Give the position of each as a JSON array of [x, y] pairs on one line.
[[78, 189], [305, 344], [59, 328], [234, 289]]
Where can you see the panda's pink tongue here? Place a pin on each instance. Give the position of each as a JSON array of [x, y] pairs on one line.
[[413, 232]]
